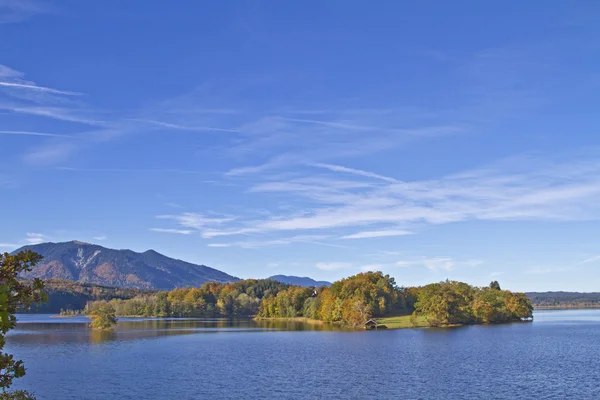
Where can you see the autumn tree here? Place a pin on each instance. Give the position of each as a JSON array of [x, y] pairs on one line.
[[15, 294], [452, 302], [446, 303], [103, 316], [356, 299], [489, 306]]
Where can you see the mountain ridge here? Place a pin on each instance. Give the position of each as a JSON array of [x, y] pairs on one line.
[[299, 280], [91, 263]]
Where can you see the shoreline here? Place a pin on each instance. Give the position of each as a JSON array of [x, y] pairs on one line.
[[292, 319], [580, 307], [387, 323]]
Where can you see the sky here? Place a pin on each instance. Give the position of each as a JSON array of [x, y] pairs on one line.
[[430, 140]]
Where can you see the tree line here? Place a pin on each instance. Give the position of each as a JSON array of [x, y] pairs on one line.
[[565, 299], [350, 301], [212, 299]]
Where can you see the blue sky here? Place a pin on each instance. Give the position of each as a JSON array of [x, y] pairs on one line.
[[429, 139]]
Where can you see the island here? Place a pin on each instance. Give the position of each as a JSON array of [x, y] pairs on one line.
[[370, 300]]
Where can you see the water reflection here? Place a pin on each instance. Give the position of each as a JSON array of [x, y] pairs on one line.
[[46, 329], [552, 357]]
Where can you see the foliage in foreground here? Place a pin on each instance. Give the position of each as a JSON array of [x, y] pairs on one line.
[[17, 395], [15, 295]]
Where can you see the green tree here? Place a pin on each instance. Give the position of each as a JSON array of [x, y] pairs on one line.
[[103, 316], [17, 395], [15, 294], [489, 306], [355, 299], [162, 307], [445, 303], [310, 308], [495, 285]]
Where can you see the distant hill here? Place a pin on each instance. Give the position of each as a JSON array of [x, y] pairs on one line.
[[299, 281], [564, 299], [84, 262], [69, 295]]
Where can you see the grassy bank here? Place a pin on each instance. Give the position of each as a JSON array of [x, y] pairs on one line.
[[403, 322], [397, 322]]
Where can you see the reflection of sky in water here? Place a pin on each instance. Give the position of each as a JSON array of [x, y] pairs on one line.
[[49, 329], [554, 357], [566, 316]]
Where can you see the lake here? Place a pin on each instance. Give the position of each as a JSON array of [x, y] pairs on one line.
[[556, 356]]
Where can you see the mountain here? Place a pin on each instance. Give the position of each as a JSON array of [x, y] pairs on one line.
[[299, 281], [90, 263]]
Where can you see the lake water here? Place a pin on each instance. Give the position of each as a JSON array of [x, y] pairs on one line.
[[555, 357]]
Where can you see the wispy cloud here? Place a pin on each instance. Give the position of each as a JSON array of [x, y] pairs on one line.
[[46, 155], [29, 133], [591, 260], [177, 231], [340, 168], [8, 246], [31, 86], [19, 10], [275, 162], [36, 238], [284, 241], [333, 266], [335, 135], [6, 72], [212, 233], [57, 113], [277, 136], [183, 127], [439, 263], [100, 237], [372, 267], [196, 220], [377, 234], [521, 189], [28, 96], [552, 192]]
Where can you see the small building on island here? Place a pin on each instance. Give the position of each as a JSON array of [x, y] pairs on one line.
[[371, 324]]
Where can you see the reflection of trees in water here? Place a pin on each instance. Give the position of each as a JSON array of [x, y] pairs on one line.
[[99, 336], [131, 329], [291, 325]]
